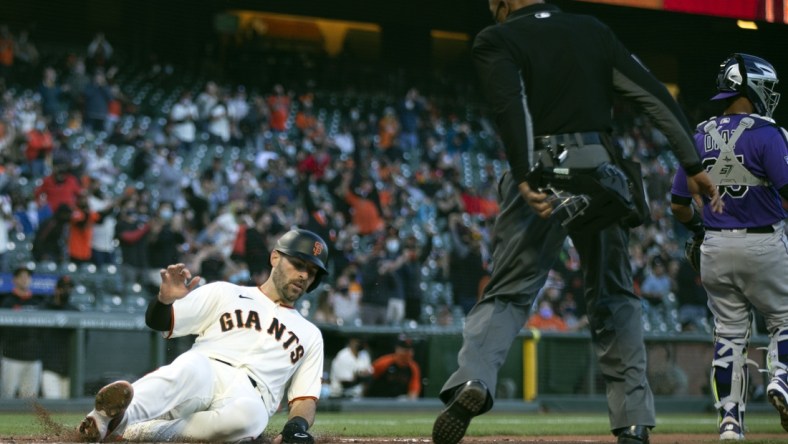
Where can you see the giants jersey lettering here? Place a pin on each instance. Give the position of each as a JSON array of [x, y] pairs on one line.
[[763, 151], [242, 326]]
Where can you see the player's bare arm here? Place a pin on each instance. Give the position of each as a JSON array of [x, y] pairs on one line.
[[176, 283]]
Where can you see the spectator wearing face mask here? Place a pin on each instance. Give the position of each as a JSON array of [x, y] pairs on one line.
[[382, 299], [546, 319]]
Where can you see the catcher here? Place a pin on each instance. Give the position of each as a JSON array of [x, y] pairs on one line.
[[251, 345], [741, 253]]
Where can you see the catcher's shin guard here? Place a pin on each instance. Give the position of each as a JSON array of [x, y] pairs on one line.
[[777, 353], [729, 378], [777, 364]]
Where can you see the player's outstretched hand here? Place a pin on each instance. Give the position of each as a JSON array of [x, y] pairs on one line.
[[176, 282], [294, 432], [701, 184]]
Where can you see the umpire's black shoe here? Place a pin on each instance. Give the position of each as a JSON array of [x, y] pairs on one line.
[[636, 434], [468, 401]]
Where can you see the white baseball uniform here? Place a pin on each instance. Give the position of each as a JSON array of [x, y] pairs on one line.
[[234, 377]]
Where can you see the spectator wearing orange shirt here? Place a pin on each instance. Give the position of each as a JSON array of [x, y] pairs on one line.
[[365, 212], [80, 233], [39, 148], [396, 374], [306, 122], [546, 319], [279, 109]]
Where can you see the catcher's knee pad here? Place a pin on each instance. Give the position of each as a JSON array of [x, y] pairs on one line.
[[777, 353]]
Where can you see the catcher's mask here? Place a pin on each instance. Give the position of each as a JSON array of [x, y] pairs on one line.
[[586, 199], [752, 76], [308, 246]]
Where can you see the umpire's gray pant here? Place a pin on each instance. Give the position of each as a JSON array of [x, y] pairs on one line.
[[524, 249]]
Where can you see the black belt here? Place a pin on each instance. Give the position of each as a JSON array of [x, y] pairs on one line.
[[567, 140], [758, 230], [254, 383]]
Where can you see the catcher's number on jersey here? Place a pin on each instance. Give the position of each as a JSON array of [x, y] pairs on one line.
[[734, 191]]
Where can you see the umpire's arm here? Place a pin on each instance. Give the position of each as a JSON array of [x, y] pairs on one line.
[[501, 82]]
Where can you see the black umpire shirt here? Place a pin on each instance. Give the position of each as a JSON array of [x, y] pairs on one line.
[[546, 72]]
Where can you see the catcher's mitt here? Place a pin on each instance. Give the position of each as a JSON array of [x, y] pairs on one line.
[[692, 251]]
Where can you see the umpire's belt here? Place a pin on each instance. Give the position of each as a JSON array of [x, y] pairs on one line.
[[584, 150], [578, 140], [757, 230], [254, 383]]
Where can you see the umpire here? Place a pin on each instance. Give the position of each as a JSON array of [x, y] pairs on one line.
[[550, 78]]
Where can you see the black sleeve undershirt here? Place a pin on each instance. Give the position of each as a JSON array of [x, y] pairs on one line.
[[158, 316], [784, 192]]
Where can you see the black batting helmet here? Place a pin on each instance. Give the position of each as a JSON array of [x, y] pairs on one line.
[[308, 246]]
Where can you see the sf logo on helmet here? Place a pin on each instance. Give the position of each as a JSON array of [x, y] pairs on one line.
[[317, 249]]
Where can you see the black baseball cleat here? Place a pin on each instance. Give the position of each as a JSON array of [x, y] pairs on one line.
[[468, 401], [636, 434]]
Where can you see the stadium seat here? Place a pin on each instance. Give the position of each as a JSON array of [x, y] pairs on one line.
[[81, 298]]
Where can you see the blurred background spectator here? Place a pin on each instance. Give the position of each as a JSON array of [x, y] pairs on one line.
[[396, 375], [20, 370], [56, 345], [351, 370]]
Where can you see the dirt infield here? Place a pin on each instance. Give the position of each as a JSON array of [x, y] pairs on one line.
[[65, 437], [55, 433]]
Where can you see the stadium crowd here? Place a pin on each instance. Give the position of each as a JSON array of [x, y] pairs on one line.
[[113, 168]]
